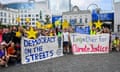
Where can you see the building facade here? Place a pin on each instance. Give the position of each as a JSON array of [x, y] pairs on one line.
[[8, 16], [77, 17], [117, 16], [34, 11]]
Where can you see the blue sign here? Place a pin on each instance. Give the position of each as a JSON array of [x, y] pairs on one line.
[[82, 30], [55, 18], [72, 22], [102, 16]]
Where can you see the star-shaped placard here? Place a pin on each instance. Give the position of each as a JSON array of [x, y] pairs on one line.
[[65, 24], [31, 33], [27, 20], [38, 25], [98, 24], [18, 19]]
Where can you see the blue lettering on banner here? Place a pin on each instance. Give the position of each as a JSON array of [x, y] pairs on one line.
[[40, 55], [29, 43]]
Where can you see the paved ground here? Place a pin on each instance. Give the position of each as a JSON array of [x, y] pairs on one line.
[[80, 63]]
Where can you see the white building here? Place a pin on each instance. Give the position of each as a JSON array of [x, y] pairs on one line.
[[35, 11], [79, 17], [117, 16], [8, 16]]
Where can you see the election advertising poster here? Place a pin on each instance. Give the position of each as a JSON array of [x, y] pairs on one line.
[[42, 48], [89, 44]]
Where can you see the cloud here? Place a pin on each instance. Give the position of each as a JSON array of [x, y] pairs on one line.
[[11, 1]]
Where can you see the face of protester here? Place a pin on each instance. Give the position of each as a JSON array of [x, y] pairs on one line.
[[12, 44], [14, 28], [65, 30], [6, 30], [93, 28]]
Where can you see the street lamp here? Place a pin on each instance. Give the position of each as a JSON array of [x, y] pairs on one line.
[[97, 9]]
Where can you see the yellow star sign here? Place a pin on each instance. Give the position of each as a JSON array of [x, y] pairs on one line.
[[31, 33], [48, 26], [65, 24], [18, 19], [38, 25], [27, 20], [98, 24], [57, 23], [18, 34]]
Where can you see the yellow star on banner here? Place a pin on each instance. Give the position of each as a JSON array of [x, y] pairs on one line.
[[18, 34], [57, 23], [98, 24], [38, 25], [18, 19], [27, 20], [31, 33], [65, 24]]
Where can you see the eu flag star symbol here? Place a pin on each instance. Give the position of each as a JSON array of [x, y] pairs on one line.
[[98, 24], [31, 33]]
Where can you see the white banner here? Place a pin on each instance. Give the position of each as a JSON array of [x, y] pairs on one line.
[[87, 44], [42, 48]]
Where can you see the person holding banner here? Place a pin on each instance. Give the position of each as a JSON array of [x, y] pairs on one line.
[[93, 30], [116, 44], [66, 40]]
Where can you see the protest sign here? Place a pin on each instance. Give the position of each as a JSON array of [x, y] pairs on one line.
[[87, 44], [42, 48]]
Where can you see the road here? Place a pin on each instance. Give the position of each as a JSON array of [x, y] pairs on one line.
[[72, 63]]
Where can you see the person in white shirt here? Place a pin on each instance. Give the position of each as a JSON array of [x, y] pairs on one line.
[[66, 40]]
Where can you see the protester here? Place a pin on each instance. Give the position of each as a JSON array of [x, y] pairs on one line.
[[93, 30], [7, 37], [11, 52], [116, 44], [66, 40], [3, 55], [1, 33]]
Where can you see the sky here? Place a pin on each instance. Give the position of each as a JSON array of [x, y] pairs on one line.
[[82, 4]]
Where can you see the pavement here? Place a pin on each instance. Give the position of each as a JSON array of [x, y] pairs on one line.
[[72, 63]]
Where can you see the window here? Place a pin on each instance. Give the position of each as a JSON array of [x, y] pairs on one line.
[[80, 20], [29, 15], [5, 14], [1, 13], [118, 28], [33, 19], [25, 15], [33, 23], [37, 15], [37, 19], [22, 23], [21, 19], [86, 20], [5, 21]]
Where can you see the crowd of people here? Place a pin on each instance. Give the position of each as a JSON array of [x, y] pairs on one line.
[[10, 43]]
